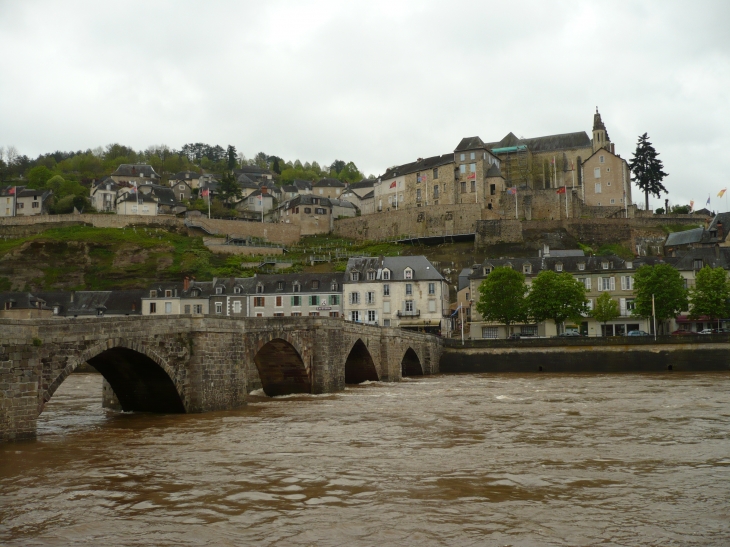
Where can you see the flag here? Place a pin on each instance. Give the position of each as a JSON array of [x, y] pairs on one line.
[[456, 311], [561, 190], [134, 188], [721, 192], [512, 191], [691, 205], [472, 176], [392, 184], [205, 192], [12, 190], [708, 201]]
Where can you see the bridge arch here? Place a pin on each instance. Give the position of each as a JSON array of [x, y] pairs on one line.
[[141, 379], [359, 365], [411, 364], [281, 368]]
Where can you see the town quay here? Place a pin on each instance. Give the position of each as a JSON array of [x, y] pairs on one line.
[[197, 364]]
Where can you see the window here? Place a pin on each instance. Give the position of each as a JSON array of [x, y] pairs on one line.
[[296, 287], [472, 167], [581, 266], [296, 314], [153, 307], [604, 265], [589, 304], [313, 300], [279, 285], [168, 307], [334, 300], [612, 200], [528, 330], [187, 308], [259, 288], [355, 316], [409, 289], [197, 308], [597, 173], [371, 316], [431, 306], [371, 275], [315, 284], [370, 297], [219, 290], [436, 191], [168, 293], [219, 307], [334, 314], [386, 289], [418, 178], [462, 169], [408, 273], [629, 265], [278, 314], [606, 284], [237, 306], [608, 183], [472, 155], [473, 186], [237, 289], [153, 294], [601, 159], [279, 302], [334, 286], [697, 264], [259, 301], [354, 298], [436, 173], [355, 276], [463, 187], [558, 267], [308, 210], [386, 275], [296, 300], [627, 283], [386, 307], [36, 205], [527, 268], [462, 157], [598, 188], [386, 322], [409, 306], [489, 332], [586, 282], [432, 288], [320, 211], [418, 194]]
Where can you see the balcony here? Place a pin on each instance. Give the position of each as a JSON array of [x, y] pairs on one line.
[[411, 313]]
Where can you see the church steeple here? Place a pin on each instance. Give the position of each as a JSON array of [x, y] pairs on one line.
[[600, 135]]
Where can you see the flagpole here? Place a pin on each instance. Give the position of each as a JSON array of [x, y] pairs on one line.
[[209, 203], [516, 215]]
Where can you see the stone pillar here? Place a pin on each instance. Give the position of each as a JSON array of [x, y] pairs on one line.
[[109, 398], [18, 392], [327, 359]]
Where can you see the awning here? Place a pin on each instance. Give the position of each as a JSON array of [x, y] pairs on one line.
[[421, 323]]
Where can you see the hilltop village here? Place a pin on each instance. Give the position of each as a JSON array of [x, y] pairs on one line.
[[530, 204]]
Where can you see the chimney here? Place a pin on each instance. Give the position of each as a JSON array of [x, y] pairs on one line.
[[720, 231], [186, 283]]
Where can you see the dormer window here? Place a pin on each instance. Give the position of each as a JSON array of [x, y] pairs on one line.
[[527, 268], [315, 284], [195, 292], [259, 289], [371, 275], [355, 276], [629, 265], [559, 267], [604, 265], [487, 270], [408, 273], [168, 293], [386, 275], [153, 294], [581, 266], [279, 285], [334, 286], [296, 287], [698, 264], [237, 289], [219, 290]]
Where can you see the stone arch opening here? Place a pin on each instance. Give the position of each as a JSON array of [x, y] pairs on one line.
[[411, 364], [138, 381], [281, 369], [359, 366]]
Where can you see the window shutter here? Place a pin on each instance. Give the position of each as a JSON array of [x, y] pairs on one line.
[[629, 283], [599, 288], [588, 283], [590, 303], [612, 284], [623, 283], [622, 304], [292, 300]]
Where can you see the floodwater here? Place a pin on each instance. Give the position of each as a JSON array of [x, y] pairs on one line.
[[445, 460]]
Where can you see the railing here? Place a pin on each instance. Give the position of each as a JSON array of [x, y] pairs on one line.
[[409, 313]]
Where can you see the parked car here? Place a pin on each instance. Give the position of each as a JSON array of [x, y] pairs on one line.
[[514, 336], [682, 332], [569, 334], [637, 333], [707, 331]]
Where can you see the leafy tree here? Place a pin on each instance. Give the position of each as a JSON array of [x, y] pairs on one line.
[[275, 166], [647, 169], [262, 160], [681, 209], [315, 167], [38, 176], [350, 173], [229, 189], [556, 296], [710, 295], [666, 284], [660, 211], [298, 164], [606, 309], [502, 297], [232, 159], [336, 167]]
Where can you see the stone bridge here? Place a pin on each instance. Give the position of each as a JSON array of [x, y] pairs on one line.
[[197, 363]]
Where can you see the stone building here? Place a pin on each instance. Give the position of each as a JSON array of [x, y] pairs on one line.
[[103, 195], [312, 213], [174, 298], [328, 188], [139, 173], [406, 292], [30, 202], [191, 178], [606, 179]]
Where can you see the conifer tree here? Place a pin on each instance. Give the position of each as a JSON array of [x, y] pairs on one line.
[[647, 169]]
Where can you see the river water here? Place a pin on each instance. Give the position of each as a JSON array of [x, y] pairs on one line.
[[461, 460]]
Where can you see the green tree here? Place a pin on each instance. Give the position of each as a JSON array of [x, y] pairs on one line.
[[666, 284], [647, 169], [261, 160], [556, 296], [229, 190], [38, 176], [606, 309], [681, 209], [710, 295], [502, 297], [336, 167], [232, 158]]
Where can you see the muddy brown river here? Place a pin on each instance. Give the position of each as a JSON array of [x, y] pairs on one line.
[[455, 460]]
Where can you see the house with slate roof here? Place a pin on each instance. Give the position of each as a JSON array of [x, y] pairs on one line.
[[406, 292], [30, 202], [139, 173], [255, 173], [117, 303], [103, 195], [191, 178], [328, 188], [313, 214], [23, 305], [175, 298]]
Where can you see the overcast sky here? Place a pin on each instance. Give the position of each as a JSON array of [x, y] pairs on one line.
[[377, 83]]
